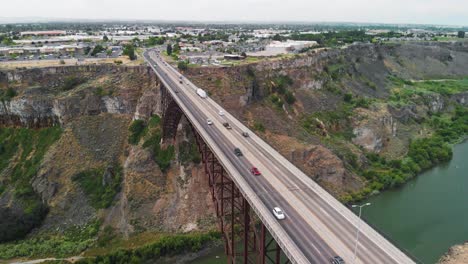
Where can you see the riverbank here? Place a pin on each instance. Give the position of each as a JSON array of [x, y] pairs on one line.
[[456, 254], [427, 215]]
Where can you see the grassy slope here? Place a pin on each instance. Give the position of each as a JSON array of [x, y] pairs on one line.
[[447, 127], [21, 153]]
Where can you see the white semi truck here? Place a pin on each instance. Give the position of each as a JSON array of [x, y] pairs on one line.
[[201, 93]]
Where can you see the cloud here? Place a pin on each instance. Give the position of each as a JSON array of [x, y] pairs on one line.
[[387, 11]]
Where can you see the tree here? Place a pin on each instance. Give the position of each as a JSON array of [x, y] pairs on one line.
[[129, 51], [169, 49], [277, 37], [87, 50], [176, 48], [7, 42], [136, 41], [152, 41], [461, 34], [97, 49], [182, 65], [105, 38]]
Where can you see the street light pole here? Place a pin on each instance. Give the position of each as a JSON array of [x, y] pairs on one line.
[[358, 228]]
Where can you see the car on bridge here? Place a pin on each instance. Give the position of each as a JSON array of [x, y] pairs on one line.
[[279, 214], [238, 152], [227, 125], [337, 260], [255, 171], [221, 112], [245, 134], [209, 122]]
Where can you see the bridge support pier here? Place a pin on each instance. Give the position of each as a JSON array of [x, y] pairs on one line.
[[246, 238], [171, 115]]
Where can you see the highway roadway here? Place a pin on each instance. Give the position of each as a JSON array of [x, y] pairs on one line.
[[317, 226]]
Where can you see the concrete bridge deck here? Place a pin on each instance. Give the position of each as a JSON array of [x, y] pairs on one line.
[[317, 226]]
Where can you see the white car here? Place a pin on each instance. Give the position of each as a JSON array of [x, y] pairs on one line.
[[221, 112], [279, 214], [209, 122]]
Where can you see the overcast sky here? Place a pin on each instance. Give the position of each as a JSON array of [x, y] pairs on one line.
[[448, 12]]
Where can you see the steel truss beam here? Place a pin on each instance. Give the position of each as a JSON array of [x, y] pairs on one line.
[[171, 115]]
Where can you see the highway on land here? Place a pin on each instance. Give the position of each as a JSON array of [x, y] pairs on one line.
[[317, 226]]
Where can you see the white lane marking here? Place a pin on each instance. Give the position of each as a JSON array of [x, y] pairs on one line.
[[324, 212]]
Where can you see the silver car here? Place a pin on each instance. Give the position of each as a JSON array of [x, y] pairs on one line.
[[279, 214]]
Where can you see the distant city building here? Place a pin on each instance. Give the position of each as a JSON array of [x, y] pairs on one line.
[[43, 33], [278, 47], [60, 49], [374, 32], [291, 45], [233, 57]]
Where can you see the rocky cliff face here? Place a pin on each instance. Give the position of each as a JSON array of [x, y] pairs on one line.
[[320, 80], [175, 201], [456, 255], [95, 106], [46, 99]]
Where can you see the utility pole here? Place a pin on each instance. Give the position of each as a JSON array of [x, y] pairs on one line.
[[358, 228]]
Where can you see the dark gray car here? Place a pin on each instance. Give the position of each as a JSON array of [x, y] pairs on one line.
[[337, 260], [238, 152]]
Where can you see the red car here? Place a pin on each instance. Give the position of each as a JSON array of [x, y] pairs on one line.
[[255, 171]]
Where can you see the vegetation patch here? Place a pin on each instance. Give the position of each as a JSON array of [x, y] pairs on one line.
[[72, 242], [336, 123], [278, 89], [129, 50], [335, 71], [451, 128], [339, 38], [405, 91], [100, 185], [182, 65], [163, 157], [97, 49], [7, 94], [257, 126], [71, 82], [137, 129], [188, 152], [423, 154], [22, 150], [167, 245]]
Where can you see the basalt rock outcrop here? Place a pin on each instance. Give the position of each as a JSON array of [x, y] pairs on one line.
[[43, 101], [95, 113], [321, 78], [456, 255]]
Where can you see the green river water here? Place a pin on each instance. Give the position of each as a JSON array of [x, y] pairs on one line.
[[425, 217], [428, 214]]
